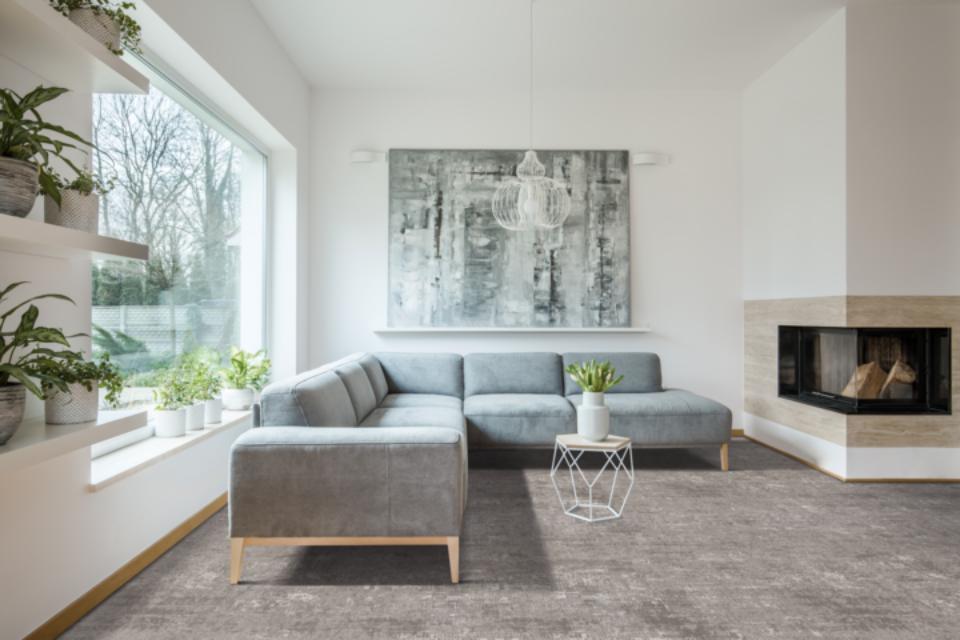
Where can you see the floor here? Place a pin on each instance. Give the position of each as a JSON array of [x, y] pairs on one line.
[[770, 550]]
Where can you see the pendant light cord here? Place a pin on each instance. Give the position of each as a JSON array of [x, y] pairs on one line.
[[530, 101]]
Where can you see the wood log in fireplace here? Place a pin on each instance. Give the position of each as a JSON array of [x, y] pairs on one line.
[[866, 382], [900, 374]]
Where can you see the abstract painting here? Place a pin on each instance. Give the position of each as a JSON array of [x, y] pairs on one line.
[[452, 265]]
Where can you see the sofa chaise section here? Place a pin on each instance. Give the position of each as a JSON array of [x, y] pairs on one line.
[[651, 416], [354, 453]]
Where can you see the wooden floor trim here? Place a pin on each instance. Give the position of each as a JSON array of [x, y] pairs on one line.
[[83, 605], [737, 433], [855, 480]]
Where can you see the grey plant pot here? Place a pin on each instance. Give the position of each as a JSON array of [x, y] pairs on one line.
[[76, 407], [13, 397], [76, 211], [18, 186], [100, 26]]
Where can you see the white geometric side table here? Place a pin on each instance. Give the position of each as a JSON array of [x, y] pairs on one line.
[[617, 460]]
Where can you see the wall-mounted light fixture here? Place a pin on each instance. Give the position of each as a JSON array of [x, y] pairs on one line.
[[367, 156], [650, 159]]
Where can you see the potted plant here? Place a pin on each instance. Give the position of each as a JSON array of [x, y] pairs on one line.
[[593, 416], [169, 412], [79, 206], [25, 354], [246, 374], [84, 379], [106, 20], [26, 147], [206, 385]]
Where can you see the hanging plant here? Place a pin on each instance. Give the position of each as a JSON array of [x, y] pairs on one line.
[[106, 20]]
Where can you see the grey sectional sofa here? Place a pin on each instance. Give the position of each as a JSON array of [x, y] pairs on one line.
[[389, 466]]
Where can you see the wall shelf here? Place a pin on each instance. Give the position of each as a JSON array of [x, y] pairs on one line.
[[36, 441], [402, 330], [19, 235], [36, 36]]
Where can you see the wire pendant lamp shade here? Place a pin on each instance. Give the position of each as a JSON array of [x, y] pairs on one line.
[[532, 200]]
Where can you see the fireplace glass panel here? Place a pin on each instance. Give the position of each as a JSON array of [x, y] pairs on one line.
[[897, 370]]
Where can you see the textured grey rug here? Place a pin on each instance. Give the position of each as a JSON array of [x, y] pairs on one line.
[[770, 550]]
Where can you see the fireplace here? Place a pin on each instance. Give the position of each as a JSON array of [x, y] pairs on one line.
[[851, 370]]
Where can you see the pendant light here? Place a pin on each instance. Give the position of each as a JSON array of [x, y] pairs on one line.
[[531, 200]]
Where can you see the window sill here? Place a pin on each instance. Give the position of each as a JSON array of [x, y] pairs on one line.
[[124, 462]]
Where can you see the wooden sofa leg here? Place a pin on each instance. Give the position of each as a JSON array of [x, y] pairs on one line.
[[453, 549], [725, 456], [236, 559]]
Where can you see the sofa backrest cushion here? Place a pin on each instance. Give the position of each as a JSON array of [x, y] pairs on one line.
[[640, 371], [317, 398], [360, 388], [534, 372], [375, 373], [440, 373]]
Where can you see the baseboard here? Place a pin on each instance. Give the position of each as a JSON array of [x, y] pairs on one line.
[[83, 605], [797, 458], [854, 480]]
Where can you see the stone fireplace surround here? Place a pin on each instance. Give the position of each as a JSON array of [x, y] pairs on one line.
[[849, 447]]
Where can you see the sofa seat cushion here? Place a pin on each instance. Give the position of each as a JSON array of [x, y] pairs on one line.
[[415, 417], [524, 419], [666, 418], [421, 400]]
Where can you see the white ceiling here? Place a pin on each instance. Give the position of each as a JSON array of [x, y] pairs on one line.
[[589, 44]]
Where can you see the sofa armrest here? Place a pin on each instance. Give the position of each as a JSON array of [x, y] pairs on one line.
[[346, 481]]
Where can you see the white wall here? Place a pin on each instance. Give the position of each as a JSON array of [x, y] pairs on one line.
[[58, 540], [685, 227], [794, 172], [903, 222]]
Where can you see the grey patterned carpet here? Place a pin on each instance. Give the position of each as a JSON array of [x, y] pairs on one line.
[[770, 550]]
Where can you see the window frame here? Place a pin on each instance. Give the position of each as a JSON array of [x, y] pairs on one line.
[[193, 101]]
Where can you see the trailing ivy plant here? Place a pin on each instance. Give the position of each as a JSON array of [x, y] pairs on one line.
[[86, 373], [26, 356], [85, 183], [116, 11], [247, 370], [25, 135], [593, 376]]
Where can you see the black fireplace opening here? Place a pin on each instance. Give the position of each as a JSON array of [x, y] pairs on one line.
[[866, 370]]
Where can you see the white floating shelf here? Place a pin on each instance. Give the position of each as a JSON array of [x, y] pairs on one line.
[[36, 441], [512, 330], [19, 235], [36, 36]]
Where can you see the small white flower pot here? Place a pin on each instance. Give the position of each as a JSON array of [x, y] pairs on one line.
[[237, 399], [213, 411], [195, 416], [593, 417], [170, 424]]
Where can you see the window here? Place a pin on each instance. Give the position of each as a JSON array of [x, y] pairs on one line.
[[192, 189]]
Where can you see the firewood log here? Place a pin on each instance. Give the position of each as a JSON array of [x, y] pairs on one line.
[[901, 373], [866, 382]]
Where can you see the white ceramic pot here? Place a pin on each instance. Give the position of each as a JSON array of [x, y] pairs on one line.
[[18, 186], [170, 424], [593, 417], [13, 398], [75, 407], [213, 411], [195, 416], [99, 25], [237, 399], [76, 211]]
